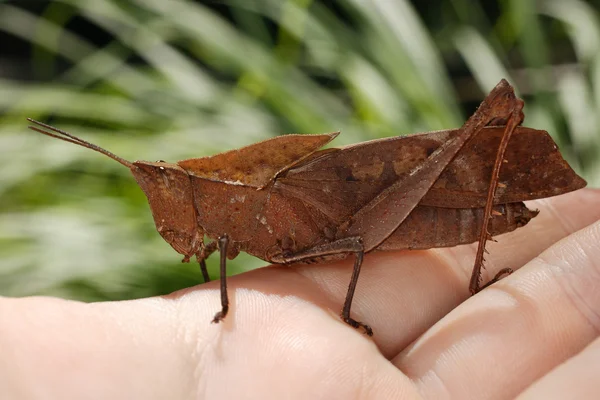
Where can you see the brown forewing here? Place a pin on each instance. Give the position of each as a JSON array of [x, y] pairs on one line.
[[340, 183]]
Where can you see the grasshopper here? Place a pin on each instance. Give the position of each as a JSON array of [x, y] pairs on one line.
[[286, 201]]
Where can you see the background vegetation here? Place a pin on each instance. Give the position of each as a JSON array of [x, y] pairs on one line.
[[156, 79]]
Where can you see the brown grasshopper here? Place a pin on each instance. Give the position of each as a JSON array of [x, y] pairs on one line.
[[285, 201]]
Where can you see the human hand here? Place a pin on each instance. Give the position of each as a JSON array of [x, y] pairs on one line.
[[283, 337]]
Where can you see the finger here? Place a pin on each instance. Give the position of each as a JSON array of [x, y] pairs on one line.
[[401, 294], [166, 348], [577, 378], [61, 349], [497, 343]]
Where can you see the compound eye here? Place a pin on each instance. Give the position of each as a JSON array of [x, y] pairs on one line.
[[160, 166]]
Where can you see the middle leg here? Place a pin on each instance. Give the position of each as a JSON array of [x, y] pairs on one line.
[[346, 245]]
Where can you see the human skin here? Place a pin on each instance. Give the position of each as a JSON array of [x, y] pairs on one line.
[[534, 334]]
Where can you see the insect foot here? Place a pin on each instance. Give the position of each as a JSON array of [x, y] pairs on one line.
[[355, 324], [504, 272]]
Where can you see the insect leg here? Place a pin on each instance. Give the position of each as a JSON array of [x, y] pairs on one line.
[[222, 242], [378, 219], [501, 274], [350, 295], [204, 270], [515, 119], [346, 245], [201, 257]]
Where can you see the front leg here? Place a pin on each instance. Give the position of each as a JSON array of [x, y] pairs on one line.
[[222, 242], [346, 245], [201, 257]]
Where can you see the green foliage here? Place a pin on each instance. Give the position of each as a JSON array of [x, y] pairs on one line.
[[179, 80]]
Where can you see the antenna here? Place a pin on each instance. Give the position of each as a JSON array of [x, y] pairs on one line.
[[67, 137]]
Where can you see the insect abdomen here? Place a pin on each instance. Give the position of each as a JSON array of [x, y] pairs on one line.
[[427, 227]]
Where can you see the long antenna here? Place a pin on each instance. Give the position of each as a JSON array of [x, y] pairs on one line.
[[67, 137]]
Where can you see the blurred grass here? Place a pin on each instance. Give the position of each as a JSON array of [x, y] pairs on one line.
[[178, 79]]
